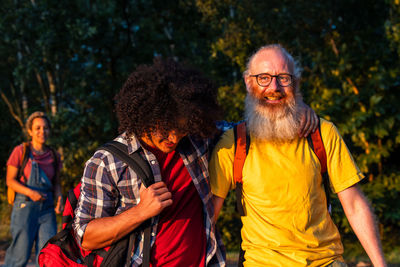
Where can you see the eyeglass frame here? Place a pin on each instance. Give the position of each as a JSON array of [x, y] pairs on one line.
[[292, 77]]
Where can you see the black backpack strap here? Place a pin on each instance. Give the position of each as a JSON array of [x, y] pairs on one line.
[[73, 201], [242, 144], [146, 247], [143, 170], [134, 160], [131, 245]]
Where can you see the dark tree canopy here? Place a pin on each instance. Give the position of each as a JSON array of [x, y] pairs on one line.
[[69, 58]]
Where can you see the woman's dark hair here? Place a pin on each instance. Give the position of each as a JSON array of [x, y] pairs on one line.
[[158, 96]]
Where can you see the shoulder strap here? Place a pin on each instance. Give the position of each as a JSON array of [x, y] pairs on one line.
[[70, 204], [134, 161], [317, 145], [143, 170], [315, 141], [24, 160], [242, 143]]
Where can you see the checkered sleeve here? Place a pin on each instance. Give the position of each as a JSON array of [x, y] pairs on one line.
[[196, 162], [99, 194]]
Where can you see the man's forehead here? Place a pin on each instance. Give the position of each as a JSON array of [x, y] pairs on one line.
[[270, 61]]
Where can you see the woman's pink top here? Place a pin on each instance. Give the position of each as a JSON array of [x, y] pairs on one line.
[[45, 162]]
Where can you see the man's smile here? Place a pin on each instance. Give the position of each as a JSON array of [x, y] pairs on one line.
[[274, 98]]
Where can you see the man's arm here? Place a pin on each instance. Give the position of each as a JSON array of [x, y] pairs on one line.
[[103, 232], [218, 202], [359, 213]]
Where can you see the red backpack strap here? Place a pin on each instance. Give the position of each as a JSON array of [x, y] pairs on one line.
[[241, 148], [317, 145], [240, 151], [70, 205], [318, 148]]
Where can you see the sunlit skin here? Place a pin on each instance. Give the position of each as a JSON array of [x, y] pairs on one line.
[[39, 133], [272, 62], [166, 143]]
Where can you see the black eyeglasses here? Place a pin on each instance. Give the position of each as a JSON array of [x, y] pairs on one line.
[[265, 79]]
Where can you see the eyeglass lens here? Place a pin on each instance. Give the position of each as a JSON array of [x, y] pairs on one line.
[[265, 79]]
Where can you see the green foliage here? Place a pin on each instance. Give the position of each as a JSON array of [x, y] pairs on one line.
[[231, 98], [229, 223], [69, 58]]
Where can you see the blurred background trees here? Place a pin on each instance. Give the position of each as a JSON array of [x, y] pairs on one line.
[[69, 58]]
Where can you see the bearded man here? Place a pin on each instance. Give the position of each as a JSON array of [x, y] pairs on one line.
[[286, 220]]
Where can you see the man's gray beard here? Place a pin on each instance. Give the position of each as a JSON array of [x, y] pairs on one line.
[[270, 123]]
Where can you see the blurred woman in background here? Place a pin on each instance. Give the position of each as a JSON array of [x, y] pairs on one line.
[[33, 174]]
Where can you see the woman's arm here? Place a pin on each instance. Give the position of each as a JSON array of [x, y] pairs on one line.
[[14, 184]]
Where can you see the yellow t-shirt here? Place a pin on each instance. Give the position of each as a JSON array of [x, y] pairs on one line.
[[287, 222]]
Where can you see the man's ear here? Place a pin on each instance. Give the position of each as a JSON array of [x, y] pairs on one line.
[[248, 82]]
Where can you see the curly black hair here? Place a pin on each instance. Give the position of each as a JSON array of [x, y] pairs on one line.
[[162, 95]]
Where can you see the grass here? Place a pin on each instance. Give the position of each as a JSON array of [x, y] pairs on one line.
[[5, 232]]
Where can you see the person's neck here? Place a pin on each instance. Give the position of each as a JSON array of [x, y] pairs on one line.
[[38, 148]]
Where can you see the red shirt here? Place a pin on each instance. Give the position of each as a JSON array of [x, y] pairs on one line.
[[45, 162], [181, 238]]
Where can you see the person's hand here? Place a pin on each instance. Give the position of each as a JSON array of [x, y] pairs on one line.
[[59, 206], [36, 196], [309, 121], [154, 199]]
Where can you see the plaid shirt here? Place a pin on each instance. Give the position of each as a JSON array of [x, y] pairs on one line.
[[109, 187]]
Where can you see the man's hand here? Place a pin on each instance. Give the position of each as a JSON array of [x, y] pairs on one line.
[[154, 199], [309, 121], [102, 232]]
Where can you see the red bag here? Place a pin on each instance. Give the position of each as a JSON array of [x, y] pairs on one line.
[[62, 250]]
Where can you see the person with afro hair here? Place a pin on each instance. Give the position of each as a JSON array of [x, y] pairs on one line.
[[168, 111]]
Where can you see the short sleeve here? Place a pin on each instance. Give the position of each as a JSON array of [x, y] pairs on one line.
[[342, 169], [98, 194], [221, 165], [15, 157]]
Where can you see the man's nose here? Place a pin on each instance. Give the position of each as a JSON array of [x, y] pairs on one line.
[[173, 137], [274, 85]]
